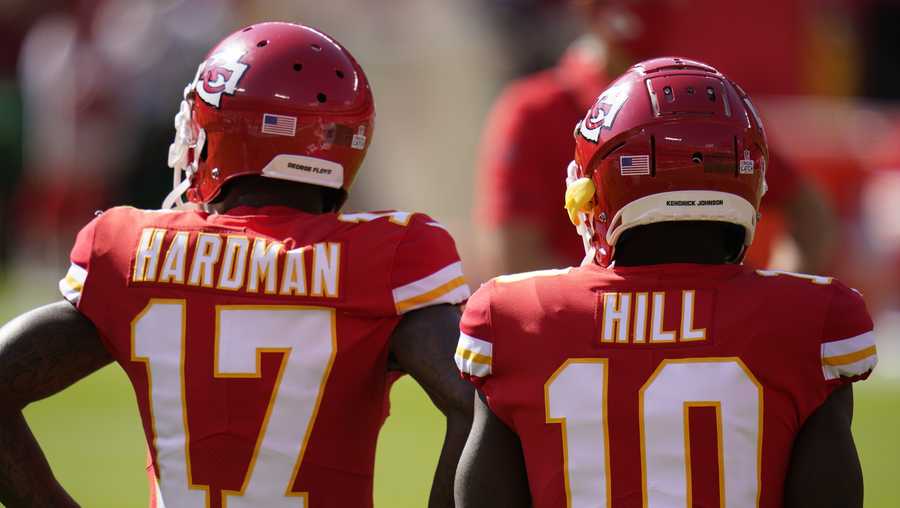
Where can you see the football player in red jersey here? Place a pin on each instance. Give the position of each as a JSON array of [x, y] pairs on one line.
[[258, 330], [665, 373]]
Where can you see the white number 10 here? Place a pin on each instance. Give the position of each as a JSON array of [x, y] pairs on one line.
[[304, 336], [576, 398]]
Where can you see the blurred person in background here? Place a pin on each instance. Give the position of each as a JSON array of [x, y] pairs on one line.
[[530, 33], [16, 18], [71, 118], [90, 71], [261, 373], [525, 148]]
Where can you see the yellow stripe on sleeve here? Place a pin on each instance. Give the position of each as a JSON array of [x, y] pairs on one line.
[[472, 356], [73, 283], [430, 295], [849, 357]]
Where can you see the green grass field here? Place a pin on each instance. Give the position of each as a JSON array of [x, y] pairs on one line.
[[92, 437]]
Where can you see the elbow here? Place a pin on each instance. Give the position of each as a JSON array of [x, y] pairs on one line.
[[461, 405], [454, 399], [457, 411], [459, 421]]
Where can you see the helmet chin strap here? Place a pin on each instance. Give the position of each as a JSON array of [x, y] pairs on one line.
[[182, 170]]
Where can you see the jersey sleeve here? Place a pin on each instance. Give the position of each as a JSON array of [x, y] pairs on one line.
[[72, 285], [475, 348], [426, 268], [848, 350]]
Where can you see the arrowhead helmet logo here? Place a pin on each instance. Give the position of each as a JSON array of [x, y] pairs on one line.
[[603, 113], [219, 74]]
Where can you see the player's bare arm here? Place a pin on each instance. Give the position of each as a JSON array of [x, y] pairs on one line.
[[423, 345], [491, 471], [825, 470], [41, 353]]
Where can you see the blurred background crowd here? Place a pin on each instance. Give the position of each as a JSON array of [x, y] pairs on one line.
[[476, 102]]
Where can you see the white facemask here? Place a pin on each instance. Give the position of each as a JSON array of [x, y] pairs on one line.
[[185, 139]]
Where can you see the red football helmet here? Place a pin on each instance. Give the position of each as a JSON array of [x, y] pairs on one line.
[[672, 139], [274, 99]]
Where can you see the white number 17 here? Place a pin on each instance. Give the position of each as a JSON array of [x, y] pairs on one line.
[[305, 337]]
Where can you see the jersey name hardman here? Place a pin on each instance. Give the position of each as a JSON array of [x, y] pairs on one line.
[[237, 263]]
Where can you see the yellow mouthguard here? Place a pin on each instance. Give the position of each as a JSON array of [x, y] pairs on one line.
[[579, 195]]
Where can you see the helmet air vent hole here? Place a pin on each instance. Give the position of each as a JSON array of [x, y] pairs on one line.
[[340, 74], [261, 44], [711, 94], [667, 91], [247, 29], [315, 47], [298, 67], [322, 97], [697, 158], [690, 90]]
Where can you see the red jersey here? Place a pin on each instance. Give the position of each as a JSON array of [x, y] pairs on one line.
[[528, 144], [641, 386], [257, 341]]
